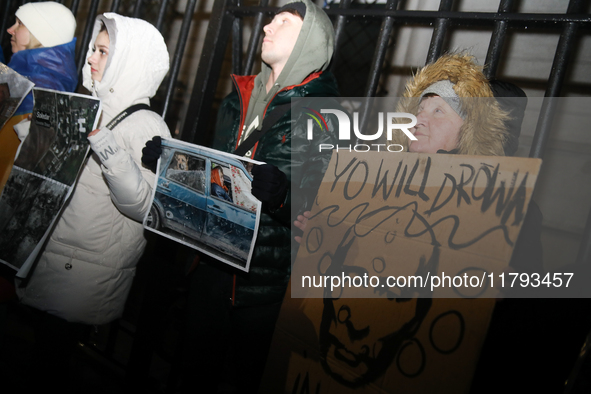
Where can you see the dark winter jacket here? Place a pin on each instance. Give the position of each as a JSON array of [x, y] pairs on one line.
[[218, 191], [285, 145]]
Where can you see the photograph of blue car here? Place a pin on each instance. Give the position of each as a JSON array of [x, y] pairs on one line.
[[202, 199]]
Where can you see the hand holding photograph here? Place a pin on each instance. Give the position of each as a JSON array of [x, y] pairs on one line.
[[202, 199]]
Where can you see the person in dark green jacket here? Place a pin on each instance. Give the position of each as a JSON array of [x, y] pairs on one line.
[[232, 314]]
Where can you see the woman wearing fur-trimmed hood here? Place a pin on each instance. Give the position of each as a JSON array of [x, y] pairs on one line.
[[458, 80]]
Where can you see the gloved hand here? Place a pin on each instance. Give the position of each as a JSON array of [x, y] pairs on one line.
[[151, 153], [269, 185]]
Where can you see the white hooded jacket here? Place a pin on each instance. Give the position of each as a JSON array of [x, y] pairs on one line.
[[85, 272]]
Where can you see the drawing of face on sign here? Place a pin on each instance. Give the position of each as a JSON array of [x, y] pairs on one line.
[[356, 346]]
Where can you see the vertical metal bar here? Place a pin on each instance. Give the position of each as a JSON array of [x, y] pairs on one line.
[[5, 20], [237, 43], [137, 8], [208, 73], [115, 5], [380, 52], [377, 61], [87, 34], [178, 53], [74, 7], [339, 29], [439, 32], [497, 41], [584, 255], [564, 50], [255, 38], [161, 14]]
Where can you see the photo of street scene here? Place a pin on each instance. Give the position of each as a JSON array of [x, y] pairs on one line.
[[45, 171], [203, 200], [27, 208], [57, 143]]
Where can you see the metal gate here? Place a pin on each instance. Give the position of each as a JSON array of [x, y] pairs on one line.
[[378, 21]]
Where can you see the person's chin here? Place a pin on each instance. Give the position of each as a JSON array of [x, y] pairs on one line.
[[414, 149], [417, 147]]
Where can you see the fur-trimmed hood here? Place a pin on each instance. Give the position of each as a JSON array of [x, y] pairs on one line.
[[483, 131]]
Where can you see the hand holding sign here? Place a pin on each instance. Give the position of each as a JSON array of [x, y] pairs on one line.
[[269, 185], [105, 146], [301, 222]]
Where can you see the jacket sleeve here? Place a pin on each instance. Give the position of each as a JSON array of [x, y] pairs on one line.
[[130, 183], [308, 164]]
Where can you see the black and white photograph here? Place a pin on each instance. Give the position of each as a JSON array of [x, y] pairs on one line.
[[45, 171], [202, 199], [29, 206], [57, 142]]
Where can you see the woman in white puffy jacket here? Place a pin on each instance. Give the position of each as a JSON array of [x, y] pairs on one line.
[[87, 267]]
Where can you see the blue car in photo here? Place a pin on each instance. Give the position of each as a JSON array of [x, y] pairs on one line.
[[193, 202]]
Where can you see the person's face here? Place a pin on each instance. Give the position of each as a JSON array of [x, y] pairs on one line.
[[280, 38], [100, 54], [438, 127], [20, 36]]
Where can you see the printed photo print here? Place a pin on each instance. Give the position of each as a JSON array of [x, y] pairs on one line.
[[202, 199]]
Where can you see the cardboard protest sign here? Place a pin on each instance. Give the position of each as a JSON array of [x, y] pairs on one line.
[[415, 218]]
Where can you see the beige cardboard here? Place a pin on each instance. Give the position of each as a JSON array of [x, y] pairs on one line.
[[396, 342]]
